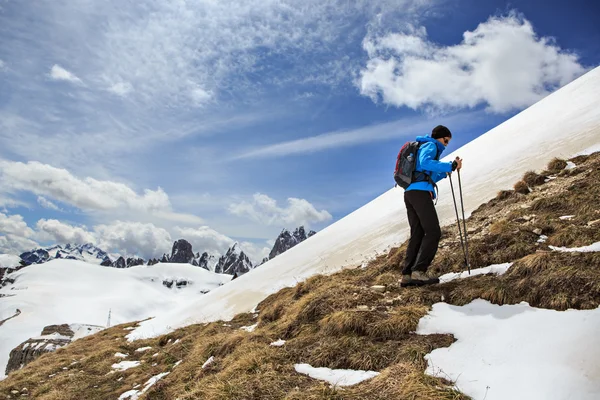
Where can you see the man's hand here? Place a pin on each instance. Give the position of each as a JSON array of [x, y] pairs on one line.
[[458, 161]]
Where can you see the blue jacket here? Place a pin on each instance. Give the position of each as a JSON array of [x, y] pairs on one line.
[[427, 163]]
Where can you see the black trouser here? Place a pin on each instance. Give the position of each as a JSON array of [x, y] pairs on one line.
[[425, 232]]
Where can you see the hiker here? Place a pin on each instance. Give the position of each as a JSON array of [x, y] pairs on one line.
[[425, 232]]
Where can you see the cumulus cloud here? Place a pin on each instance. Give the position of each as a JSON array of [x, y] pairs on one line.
[[264, 210], [87, 194], [15, 234], [205, 239], [60, 232], [14, 224], [58, 73], [502, 63], [134, 238], [42, 201]]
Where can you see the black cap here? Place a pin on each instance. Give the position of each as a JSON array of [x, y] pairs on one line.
[[440, 131]]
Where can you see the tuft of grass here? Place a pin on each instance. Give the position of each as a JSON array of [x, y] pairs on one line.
[[521, 187], [532, 179], [556, 165]]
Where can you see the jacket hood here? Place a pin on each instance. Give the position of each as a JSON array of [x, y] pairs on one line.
[[439, 145]]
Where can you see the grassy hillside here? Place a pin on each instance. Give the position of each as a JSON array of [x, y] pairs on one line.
[[339, 321]]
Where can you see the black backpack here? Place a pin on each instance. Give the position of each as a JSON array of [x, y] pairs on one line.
[[404, 174], [406, 164]]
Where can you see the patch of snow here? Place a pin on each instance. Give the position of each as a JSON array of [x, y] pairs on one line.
[[208, 362], [83, 330], [278, 343], [516, 351], [177, 363], [249, 328], [155, 355], [143, 349], [497, 269], [129, 328], [337, 377], [125, 365], [567, 217], [177, 341], [52, 347], [542, 239], [121, 355], [584, 249], [135, 394], [570, 165]]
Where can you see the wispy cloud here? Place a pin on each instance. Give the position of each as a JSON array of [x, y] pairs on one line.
[[42, 201], [58, 73], [404, 127]]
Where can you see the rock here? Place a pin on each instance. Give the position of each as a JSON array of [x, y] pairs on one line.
[[537, 231], [52, 338], [120, 263], [206, 260], [152, 261], [378, 288], [233, 262], [106, 262], [164, 259], [363, 308], [287, 240], [592, 223], [35, 257], [182, 252], [132, 262]]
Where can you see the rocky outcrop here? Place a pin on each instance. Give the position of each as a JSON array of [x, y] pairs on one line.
[[120, 263], [206, 261], [35, 257], [234, 262], [153, 261], [52, 338], [106, 262], [182, 252], [287, 240], [132, 262]]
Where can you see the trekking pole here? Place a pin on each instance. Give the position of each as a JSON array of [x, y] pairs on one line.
[[462, 206], [462, 244]]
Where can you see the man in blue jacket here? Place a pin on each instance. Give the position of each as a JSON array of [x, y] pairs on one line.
[[425, 229]]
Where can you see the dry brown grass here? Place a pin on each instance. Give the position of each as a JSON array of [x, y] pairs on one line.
[[556, 165], [532, 178], [521, 187], [323, 326]]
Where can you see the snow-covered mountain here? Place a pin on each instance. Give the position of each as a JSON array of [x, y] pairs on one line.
[[75, 292], [85, 252]]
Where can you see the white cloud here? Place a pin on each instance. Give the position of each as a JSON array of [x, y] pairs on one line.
[[14, 224], [87, 194], [42, 201], [58, 73], [60, 232], [2, 64], [15, 234], [205, 239], [134, 238], [502, 63], [264, 210], [14, 244]]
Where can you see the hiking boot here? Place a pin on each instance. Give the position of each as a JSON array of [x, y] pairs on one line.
[[406, 281], [420, 278]]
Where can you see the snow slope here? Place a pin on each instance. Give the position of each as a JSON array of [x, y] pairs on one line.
[[71, 291], [562, 124], [516, 351]]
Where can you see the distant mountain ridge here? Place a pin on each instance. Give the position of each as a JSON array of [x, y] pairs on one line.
[[234, 262]]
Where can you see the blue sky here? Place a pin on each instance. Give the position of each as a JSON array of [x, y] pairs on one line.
[[134, 124]]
